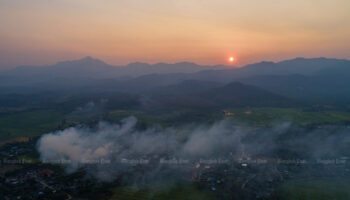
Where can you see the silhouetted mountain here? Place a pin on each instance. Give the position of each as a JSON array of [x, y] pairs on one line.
[[209, 95], [63, 74], [327, 82], [91, 67], [238, 94], [302, 66], [313, 79], [329, 87], [187, 87], [86, 70], [87, 66]]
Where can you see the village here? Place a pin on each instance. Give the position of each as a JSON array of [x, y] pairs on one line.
[[24, 176]]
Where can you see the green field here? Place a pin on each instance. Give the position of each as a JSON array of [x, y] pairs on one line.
[[183, 192], [266, 116], [168, 118], [38, 122], [321, 189], [117, 115], [31, 123]]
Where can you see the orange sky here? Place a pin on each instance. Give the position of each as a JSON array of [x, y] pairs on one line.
[[203, 31]]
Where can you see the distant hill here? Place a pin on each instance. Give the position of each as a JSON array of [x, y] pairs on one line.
[[187, 87], [320, 88], [87, 72], [302, 66], [320, 80], [238, 94], [207, 94], [89, 67], [86, 67], [138, 69]]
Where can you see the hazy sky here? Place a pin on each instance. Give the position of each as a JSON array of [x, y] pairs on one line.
[[201, 31]]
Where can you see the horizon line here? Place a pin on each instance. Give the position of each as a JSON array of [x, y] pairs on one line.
[[173, 63]]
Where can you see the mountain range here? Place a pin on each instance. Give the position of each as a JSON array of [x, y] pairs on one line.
[[318, 80]]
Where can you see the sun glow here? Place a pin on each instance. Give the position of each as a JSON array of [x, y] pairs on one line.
[[231, 59]]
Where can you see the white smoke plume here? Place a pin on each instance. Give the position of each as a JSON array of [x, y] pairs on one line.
[[81, 146], [110, 150]]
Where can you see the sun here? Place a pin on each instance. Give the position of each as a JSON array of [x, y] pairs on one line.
[[231, 59]]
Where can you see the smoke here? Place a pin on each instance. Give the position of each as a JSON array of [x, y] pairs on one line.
[[109, 151], [122, 144], [91, 107]]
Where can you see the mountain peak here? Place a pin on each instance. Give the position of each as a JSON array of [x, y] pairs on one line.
[[86, 61], [88, 58], [302, 59], [138, 64]]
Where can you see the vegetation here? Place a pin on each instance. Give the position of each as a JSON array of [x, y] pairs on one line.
[[37, 122], [167, 118], [29, 123], [266, 116], [320, 189], [183, 192]]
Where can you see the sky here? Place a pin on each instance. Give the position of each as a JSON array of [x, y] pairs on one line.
[[39, 32]]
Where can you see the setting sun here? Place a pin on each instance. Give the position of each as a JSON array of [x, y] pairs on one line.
[[231, 59]]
